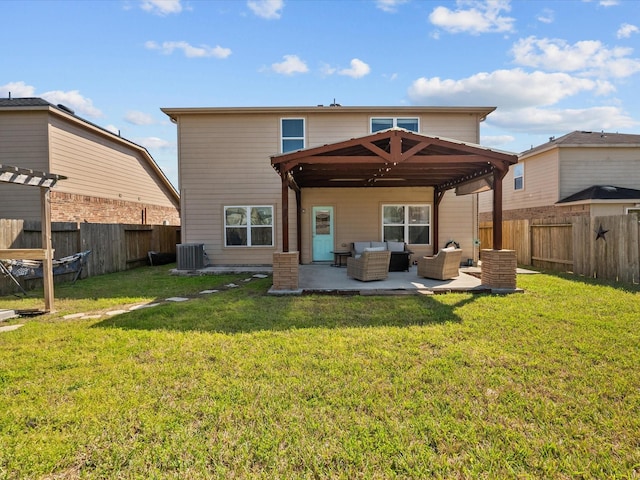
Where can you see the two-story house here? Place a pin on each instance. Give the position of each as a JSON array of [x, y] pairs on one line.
[[581, 173], [109, 179], [255, 181]]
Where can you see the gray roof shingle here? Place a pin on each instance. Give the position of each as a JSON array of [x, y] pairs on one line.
[[603, 192]]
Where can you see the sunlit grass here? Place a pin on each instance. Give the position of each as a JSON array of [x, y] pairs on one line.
[[238, 384]]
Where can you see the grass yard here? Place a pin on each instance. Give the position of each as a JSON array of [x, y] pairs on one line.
[[238, 384]]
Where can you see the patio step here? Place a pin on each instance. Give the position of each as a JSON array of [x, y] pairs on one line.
[[7, 314]]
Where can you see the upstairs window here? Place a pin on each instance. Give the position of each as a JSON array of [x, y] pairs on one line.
[[518, 176], [292, 130], [384, 123]]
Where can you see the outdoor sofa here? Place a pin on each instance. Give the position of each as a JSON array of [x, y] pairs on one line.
[[443, 266], [399, 253]]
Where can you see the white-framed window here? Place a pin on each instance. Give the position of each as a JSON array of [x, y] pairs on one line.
[[384, 123], [292, 134], [518, 176], [407, 223], [633, 211], [248, 226]]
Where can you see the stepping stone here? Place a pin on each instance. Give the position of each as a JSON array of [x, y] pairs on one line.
[[260, 275], [231, 285], [9, 328], [115, 312], [146, 305], [247, 280], [73, 315], [205, 292], [176, 299]]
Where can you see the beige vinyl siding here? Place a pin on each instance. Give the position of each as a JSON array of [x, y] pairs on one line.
[[224, 160], [458, 222], [23, 143], [582, 168], [463, 126], [99, 166], [541, 179]]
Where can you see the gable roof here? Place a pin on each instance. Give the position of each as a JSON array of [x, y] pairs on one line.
[[603, 192], [587, 139], [391, 158], [35, 103]]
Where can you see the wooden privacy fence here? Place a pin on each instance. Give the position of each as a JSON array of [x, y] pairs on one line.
[[114, 247], [602, 247]]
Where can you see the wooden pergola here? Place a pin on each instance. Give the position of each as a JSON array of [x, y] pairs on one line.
[[395, 158], [44, 181]]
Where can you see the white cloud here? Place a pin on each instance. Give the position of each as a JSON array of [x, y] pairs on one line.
[[358, 69], [17, 89], [389, 6], [475, 17], [161, 7], [269, 9], [189, 50], [546, 16], [496, 140], [154, 143], [509, 89], [609, 3], [291, 65], [626, 30], [536, 120], [139, 118], [74, 100], [589, 57], [113, 129]]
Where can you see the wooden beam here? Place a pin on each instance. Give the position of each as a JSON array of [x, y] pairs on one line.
[[285, 212], [47, 263], [24, 253], [497, 209], [437, 198]]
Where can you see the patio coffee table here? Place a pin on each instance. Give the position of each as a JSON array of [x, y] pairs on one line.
[[340, 258]]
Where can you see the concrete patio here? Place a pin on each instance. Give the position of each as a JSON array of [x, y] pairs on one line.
[[325, 278]]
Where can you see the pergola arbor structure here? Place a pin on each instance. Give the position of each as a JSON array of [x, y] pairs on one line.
[[44, 181], [395, 158]]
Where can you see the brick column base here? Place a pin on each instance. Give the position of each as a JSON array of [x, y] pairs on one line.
[[285, 270], [499, 269]]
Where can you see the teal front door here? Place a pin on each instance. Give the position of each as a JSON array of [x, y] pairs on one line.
[[322, 233]]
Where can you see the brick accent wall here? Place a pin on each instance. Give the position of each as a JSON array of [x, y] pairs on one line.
[[560, 213], [285, 270], [66, 207], [499, 269]]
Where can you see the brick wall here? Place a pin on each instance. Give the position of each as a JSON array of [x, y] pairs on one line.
[[499, 269], [285, 270], [66, 207]]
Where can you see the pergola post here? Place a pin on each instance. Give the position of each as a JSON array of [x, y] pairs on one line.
[[285, 212], [437, 198], [47, 262], [498, 175]]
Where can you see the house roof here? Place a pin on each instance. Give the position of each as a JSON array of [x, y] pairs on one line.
[[587, 139], [38, 104], [395, 111], [392, 158], [603, 192]]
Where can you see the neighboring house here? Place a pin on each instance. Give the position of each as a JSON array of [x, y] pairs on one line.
[[581, 173], [109, 179], [350, 182]]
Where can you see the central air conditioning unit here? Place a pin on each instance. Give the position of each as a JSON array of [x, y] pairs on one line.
[[190, 256]]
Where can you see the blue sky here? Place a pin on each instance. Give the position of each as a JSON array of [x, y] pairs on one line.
[[550, 67]]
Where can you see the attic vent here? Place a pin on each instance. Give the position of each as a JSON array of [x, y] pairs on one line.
[[66, 109]]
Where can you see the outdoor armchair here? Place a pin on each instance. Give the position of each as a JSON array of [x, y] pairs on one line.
[[371, 265], [443, 266]]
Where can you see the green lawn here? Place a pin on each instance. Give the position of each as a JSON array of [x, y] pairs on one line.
[[238, 384]]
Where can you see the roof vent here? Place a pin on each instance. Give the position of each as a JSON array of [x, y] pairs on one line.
[[66, 109]]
